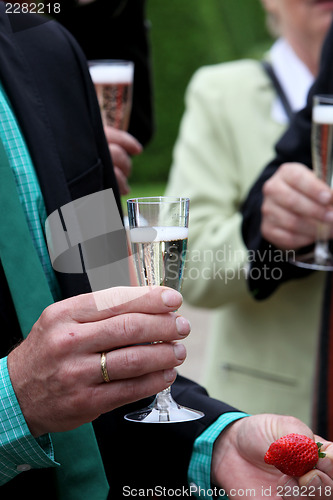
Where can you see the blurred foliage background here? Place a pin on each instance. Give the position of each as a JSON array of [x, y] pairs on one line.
[[187, 34]]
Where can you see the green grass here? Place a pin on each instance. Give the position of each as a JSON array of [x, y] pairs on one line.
[[144, 189]]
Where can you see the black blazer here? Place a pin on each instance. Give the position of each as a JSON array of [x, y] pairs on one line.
[[295, 145], [46, 78], [117, 29]]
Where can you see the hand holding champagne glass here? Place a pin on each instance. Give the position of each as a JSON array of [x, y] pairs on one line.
[[322, 159], [113, 80], [158, 235]]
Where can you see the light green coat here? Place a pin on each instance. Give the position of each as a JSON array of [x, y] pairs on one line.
[[262, 354]]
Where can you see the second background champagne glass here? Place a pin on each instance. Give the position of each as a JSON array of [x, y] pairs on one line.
[[158, 232], [113, 80], [322, 160]]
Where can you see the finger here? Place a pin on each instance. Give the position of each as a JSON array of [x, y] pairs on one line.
[[121, 159], [304, 180], [316, 485], [283, 239], [121, 392], [291, 197], [124, 139], [112, 302], [325, 464], [141, 360], [289, 221], [287, 230], [121, 181], [129, 329], [289, 489]]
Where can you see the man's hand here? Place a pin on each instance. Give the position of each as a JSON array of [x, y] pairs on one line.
[[122, 146], [56, 372], [295, 201], [238, 461]]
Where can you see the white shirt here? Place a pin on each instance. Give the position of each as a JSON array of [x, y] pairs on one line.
[[294, 76]]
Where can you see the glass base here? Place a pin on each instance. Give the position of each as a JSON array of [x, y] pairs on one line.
[[164, 410], [312, 261]]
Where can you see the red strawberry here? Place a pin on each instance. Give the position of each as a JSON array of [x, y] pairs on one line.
[[294, 454]]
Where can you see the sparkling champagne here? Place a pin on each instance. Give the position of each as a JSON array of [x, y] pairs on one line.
[[159, 255], [114, 89], [322, 142]]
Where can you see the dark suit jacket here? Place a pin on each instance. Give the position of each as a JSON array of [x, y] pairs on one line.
[[117, 29], [295, 145], [46, 78]]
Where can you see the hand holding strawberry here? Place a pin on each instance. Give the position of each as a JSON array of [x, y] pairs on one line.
[[239, 468], [294, 454]]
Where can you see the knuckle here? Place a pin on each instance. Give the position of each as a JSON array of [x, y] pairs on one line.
[[51, 314], [265, 209], [265, 231], [115, 148], [112, 134], [295, 174], [60, 344], [131, 359], [116, 154], [117, 300], [283, 169], [292, 223], [129, 327], [268, 187], [291, 201]]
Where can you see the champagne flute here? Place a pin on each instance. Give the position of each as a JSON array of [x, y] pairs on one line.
[[322, 159], [113, 80], [158, 232]]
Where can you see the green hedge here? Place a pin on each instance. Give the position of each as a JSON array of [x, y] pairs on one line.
[[187, 34]]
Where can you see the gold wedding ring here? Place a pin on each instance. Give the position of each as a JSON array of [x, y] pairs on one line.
[[105, 374]]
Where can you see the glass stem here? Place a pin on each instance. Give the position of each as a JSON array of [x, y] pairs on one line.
[[163, 404], [321, 251]]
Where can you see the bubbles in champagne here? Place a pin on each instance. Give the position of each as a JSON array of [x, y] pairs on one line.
[[322, 142], [159, 254], [113, 83]]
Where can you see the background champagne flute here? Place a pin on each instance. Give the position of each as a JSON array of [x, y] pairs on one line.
[[158, 232], [113, 80]]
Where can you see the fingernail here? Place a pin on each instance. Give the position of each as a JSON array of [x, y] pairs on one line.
[[183, 326], [170, 375], [315, 482], [172, 298], [325, 197], [180, 351], [288, 487]]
